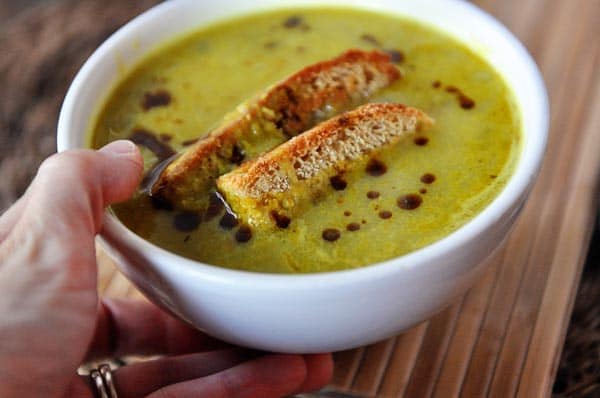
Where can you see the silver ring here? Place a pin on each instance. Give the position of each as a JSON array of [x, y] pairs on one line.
[[97, 381], [106, 374]]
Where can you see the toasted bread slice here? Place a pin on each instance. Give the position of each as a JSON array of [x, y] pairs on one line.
[[279, 184], [288, 108]]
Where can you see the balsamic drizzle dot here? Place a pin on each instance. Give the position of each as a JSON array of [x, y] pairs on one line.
[[215, 207], [228, 221], [156, 99], [237, 155], [427, 178], [160, 203], [421, 141], [465, 102], [396, 56], [423, 191], [186, 221], [385, 214], [373, 194], [148, 139], [376, 167], [347, 213], [243, 234], [338, 183], [190, 142], [281, 220], [331, 234], [353, 226], [369, 38], [436, 84], [410, 201], [293, 21]]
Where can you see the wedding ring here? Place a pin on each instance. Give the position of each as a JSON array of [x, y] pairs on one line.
[[106, 374], [98, 383], [103, 381]]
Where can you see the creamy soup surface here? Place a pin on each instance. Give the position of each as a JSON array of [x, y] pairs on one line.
[[428, 186]]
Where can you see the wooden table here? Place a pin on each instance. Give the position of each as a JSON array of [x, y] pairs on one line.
[[504, 337]]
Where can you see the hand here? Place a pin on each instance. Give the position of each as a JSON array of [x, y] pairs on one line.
[[52, 320]]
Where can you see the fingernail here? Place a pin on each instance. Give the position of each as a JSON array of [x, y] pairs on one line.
[[119, 148]]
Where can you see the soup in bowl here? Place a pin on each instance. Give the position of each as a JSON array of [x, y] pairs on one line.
[[390, 240]]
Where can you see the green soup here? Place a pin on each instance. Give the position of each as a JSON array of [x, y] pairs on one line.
[[430, 185]]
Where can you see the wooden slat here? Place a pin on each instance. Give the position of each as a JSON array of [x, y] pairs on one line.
[[373, 367], [347, 364], [433, 352], [401, 362], [504, 337], [460, 349], [548, 329]]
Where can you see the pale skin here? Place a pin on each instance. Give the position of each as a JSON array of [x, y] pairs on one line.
[[52, 319]]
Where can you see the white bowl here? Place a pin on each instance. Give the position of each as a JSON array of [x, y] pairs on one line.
[[325, 311]]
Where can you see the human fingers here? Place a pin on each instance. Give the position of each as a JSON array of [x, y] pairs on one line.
[[79, 184], [319, 370], [65, 202], [127, 327], [11, 216], [265, 377], [217, 374]]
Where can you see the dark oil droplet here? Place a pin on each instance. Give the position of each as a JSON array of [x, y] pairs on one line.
[[347, 213], [338, 183], [281, 220], [353, 226], [160, 203], [373, 194], [410, 201], [421, 141], [466, 102], [186, 221], [243, 234], [423, 191], [376, 168], [228, 221], [215, 207], [156, 99], [396, 56], [369, 38], [150, 140], [237, 155], [189, 142], [436, 84], [384, 214], [331, 234], [427, 178], [293, 21]]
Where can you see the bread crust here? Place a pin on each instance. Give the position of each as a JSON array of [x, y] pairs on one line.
[[288, 178], [288, 108]]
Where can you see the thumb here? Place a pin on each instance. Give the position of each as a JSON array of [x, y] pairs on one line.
[[72, 188]]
